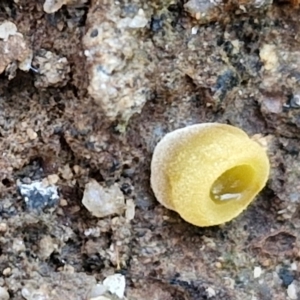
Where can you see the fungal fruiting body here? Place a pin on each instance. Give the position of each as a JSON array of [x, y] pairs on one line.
[[208, 173]]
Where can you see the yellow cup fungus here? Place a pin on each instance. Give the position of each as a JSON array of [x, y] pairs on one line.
[[208, 173]]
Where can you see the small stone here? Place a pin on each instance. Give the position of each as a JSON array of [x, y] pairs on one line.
[[257, 272], [53, 179], [4, 295], [38, 195], [51, 6], [130, 210], [139, 21], [76, 169], [7, 28], [18, 245], [46, 247], [230, 283], [261, 140], [14, 51], [60, 211], [272, 102], [31, 134], [53, 69], [294, 266], [63, 202], [102, 202], [286, 276], [94, 232], [236, 46], [3, 227], [195, 30], [292, 291], [6, 272], [97, 291], [203, 11], [25, 65], [295, 101], [210, 292], [115, 284], [66, 172], [266, 262], [269, 57], [117, 63]]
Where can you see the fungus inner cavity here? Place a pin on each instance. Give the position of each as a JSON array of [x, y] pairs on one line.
[[232, 184]]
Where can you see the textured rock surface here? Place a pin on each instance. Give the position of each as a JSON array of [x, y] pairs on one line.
[[192, 73], [117, 59]]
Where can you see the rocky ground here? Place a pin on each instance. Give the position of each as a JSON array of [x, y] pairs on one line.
[[87, 90]]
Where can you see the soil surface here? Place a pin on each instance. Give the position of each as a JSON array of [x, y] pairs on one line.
[[106, 80]]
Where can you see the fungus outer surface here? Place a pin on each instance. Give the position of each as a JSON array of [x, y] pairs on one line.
[[208, 173]]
